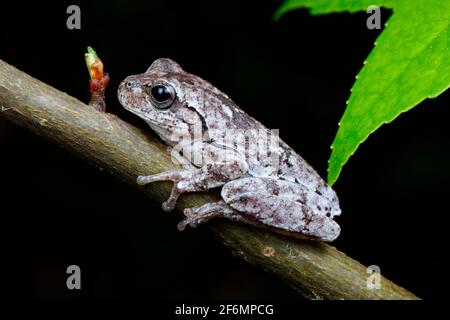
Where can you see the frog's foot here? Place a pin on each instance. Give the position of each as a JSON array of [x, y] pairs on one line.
[[181, 183], [198, 215]]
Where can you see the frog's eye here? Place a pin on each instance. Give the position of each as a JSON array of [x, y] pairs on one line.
[[162, 95]]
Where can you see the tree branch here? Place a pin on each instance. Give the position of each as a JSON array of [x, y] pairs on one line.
[[315, 269]]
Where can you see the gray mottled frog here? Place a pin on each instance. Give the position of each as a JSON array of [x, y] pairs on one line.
[[286, 195]]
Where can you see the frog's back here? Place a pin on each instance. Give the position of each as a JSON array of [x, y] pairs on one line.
[[225, 119]]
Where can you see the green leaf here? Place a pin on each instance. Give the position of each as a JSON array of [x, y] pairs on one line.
[[409, 63]]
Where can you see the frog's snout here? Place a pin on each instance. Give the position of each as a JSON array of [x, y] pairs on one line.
[[127, 92], [120, 93]]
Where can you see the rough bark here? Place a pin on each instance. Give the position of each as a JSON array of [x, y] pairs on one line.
[[316, 269]]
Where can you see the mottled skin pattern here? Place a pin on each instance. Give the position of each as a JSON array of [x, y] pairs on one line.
[[290, 198]]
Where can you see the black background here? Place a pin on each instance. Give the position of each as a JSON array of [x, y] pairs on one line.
[[294, 75]]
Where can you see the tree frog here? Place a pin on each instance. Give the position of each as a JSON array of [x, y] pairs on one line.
[[285, 195]]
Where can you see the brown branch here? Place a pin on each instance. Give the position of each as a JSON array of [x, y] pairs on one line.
[[315, 269]]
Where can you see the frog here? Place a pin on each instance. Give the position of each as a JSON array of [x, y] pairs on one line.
[[286, 196]]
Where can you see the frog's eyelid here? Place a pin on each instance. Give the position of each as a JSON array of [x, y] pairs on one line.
[[161, 82]]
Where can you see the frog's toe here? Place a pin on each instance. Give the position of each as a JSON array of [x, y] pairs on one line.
[[170, 175], [190, 212], [171, 202], [182, 225], [192, 219], [141, 180], [168, 205]]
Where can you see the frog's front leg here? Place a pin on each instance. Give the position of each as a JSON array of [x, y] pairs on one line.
[[209, 176]]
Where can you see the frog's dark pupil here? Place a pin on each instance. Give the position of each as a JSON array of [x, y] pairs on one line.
[[160, 93]]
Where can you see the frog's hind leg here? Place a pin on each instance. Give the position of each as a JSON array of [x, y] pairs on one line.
[[280, 205], [198, 215]]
